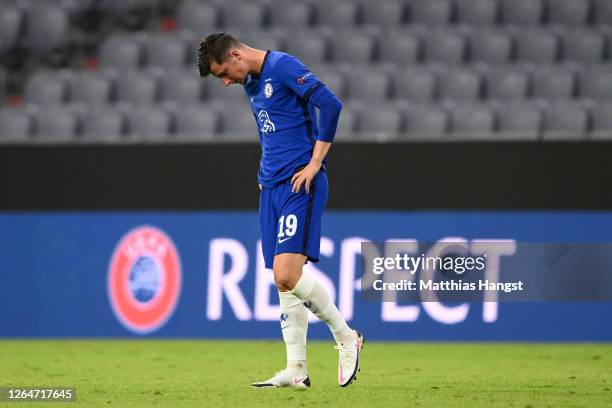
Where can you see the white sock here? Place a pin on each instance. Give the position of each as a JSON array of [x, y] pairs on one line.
[[317, 299], [294, 325]]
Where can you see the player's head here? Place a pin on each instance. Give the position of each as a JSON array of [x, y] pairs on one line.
[[222, 55]]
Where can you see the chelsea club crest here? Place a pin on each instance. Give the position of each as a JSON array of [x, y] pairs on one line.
[[268, 90]]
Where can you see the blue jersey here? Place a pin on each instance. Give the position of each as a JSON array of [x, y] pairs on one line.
[[287, 122]]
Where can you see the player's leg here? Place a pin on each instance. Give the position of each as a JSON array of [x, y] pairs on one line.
[[287, 268], [293, 316], [299, 240]]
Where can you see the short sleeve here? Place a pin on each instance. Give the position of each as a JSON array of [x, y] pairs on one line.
[[299, 78]]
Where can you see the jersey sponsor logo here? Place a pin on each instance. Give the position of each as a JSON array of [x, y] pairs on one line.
[[268, 90], [144, 279], [267, 126], [304, 77]]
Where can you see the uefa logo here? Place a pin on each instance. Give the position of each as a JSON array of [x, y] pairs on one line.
[[144, 279]]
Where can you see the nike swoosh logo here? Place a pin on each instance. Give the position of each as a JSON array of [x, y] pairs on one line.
[[298, 380], [280, 241]]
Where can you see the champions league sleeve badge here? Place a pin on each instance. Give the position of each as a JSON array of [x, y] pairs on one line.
[[144, 279]]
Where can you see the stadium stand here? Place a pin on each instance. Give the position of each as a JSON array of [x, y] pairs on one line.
[[519, 121], [442, 69], [425, 122], [103, 125], [506, 83]]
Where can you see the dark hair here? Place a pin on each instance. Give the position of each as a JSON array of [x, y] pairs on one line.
[[214, 47]]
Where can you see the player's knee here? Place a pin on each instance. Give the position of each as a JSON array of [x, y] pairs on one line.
[[287, 270], [283, 279]]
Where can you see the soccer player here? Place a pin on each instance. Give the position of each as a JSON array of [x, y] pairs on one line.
[[292, 178]]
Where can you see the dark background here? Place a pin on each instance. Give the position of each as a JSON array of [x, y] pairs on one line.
[[362, 176]]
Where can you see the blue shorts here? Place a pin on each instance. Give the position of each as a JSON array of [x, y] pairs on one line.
[[291, 222]]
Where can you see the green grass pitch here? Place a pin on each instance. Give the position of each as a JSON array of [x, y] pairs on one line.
[[186, 373]]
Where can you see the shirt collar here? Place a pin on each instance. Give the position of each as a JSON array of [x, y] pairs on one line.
[[256, 76]]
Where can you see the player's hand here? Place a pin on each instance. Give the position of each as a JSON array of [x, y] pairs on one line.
[[305, 176]]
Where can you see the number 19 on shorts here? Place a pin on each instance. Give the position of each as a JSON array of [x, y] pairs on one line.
[[287, 227]]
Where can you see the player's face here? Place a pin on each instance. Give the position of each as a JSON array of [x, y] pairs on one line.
[[233, 70]]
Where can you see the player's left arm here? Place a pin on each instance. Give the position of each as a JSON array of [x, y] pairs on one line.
[[329, 113], [304, 83], [307, 174]]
